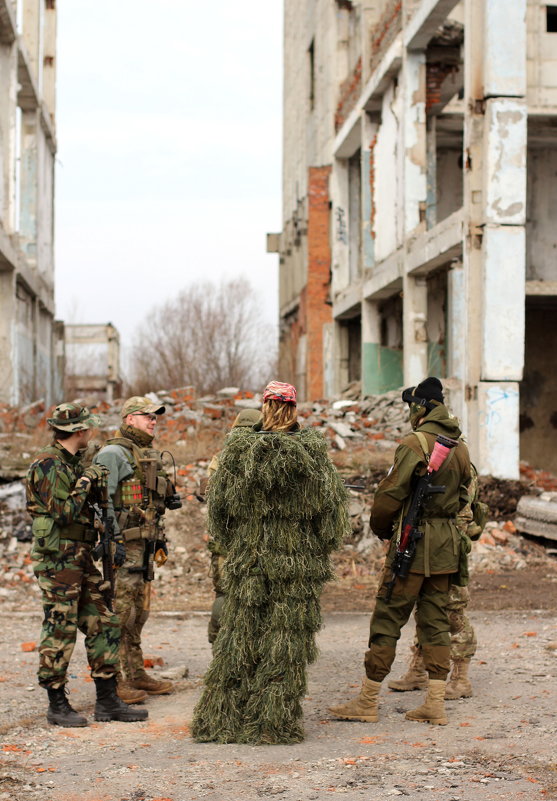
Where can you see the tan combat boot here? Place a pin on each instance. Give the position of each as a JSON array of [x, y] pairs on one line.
[[433, 708], [415, 677], [364, 707], [459, 685], [128, 694], [152, 686]]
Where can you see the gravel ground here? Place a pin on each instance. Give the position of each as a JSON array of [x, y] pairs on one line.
[[499, 744]]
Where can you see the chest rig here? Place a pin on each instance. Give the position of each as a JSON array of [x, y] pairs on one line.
[[139, 501]]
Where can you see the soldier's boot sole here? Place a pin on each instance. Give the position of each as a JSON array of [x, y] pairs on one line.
[[362, 718], [124, 716], [401, 686], [68, 722]]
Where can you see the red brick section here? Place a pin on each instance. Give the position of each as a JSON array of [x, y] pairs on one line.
[[349, 93], [318, 311], [385, 31], [435, 75], [372, 185]]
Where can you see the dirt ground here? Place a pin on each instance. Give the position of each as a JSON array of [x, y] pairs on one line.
[[499, 744]]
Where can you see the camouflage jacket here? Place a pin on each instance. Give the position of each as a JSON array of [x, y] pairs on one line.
[[51, 488]]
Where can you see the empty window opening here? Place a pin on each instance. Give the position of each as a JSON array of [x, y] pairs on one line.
[[551, 19]]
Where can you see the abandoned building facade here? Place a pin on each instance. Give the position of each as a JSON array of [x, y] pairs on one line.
[[31, 342], [419, 181]]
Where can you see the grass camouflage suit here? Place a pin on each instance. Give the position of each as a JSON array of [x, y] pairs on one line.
[[71, 586]]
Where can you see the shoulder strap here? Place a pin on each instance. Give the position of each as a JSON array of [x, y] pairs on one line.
[[128, 445], [422, 439]]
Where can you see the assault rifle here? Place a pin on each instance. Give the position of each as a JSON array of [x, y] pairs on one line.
[[103, 550], [410, 532]]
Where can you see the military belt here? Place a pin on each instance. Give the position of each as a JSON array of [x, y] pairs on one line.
[[136, 533], [78, 533]]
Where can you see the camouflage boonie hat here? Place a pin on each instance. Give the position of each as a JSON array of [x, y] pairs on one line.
[[141, 405], [73, 417]]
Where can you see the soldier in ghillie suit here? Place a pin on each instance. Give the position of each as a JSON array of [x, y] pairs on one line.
[[471, 519], [438, 556], [139, 492], [277, 506], [246, 418], [59, 493]]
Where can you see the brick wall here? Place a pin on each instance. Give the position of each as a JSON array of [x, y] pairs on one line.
[[318, 311], [435, 75], [349, 93]]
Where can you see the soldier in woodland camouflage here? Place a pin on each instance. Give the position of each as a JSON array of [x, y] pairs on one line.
[[139, 493], [59, 494]]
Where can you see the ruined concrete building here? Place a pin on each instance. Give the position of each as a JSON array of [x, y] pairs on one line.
[[419, 188], [31, 343]]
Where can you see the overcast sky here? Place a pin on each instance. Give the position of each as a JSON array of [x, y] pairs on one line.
[[169, 152]]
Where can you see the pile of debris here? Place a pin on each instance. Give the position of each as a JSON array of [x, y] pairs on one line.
[[194, 428]]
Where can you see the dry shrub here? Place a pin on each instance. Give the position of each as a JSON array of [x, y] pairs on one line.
[[208, 336]]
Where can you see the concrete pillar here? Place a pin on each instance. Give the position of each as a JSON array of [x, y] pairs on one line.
[[28, 193], [414, 132], [457, 335], [49, 58], [8, 361], [32, 27], [494, 245], [369, 134], [414, 172], [371, 348], [8, 81], [414, 329], [339, 239]]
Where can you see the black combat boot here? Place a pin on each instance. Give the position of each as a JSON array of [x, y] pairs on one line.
[[110, 707], [60, 711]]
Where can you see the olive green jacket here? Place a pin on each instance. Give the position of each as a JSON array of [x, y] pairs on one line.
[[439, 550]]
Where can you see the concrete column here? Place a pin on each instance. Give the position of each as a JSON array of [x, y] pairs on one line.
[[8, 361], [8, 81], [371, 348], [49, 58], [369, 134], [457, 335], [28, 194], [32, 27], [414, 329], [431, 147], [414, 133], [494, 244], [339, 222]]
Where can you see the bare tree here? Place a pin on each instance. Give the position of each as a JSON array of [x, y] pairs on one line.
[[208, 336]]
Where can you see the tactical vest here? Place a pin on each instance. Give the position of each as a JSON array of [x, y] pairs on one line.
[[139, 501]]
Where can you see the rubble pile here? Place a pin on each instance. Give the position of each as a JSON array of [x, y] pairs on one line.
[[193, 430]]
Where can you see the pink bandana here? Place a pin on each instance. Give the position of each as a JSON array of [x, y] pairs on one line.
[[276, 390]]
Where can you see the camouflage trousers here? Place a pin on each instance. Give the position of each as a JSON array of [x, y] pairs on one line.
[[430, 596], [72, 599], [132, 600], [463, 636]]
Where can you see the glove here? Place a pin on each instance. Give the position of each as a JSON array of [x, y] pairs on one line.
[[161, 552], [119, 552], [96, 472]]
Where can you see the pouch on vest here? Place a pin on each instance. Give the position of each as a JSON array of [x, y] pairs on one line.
[[46, 535]]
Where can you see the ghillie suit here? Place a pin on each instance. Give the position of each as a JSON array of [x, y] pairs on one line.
[[277, 506]]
